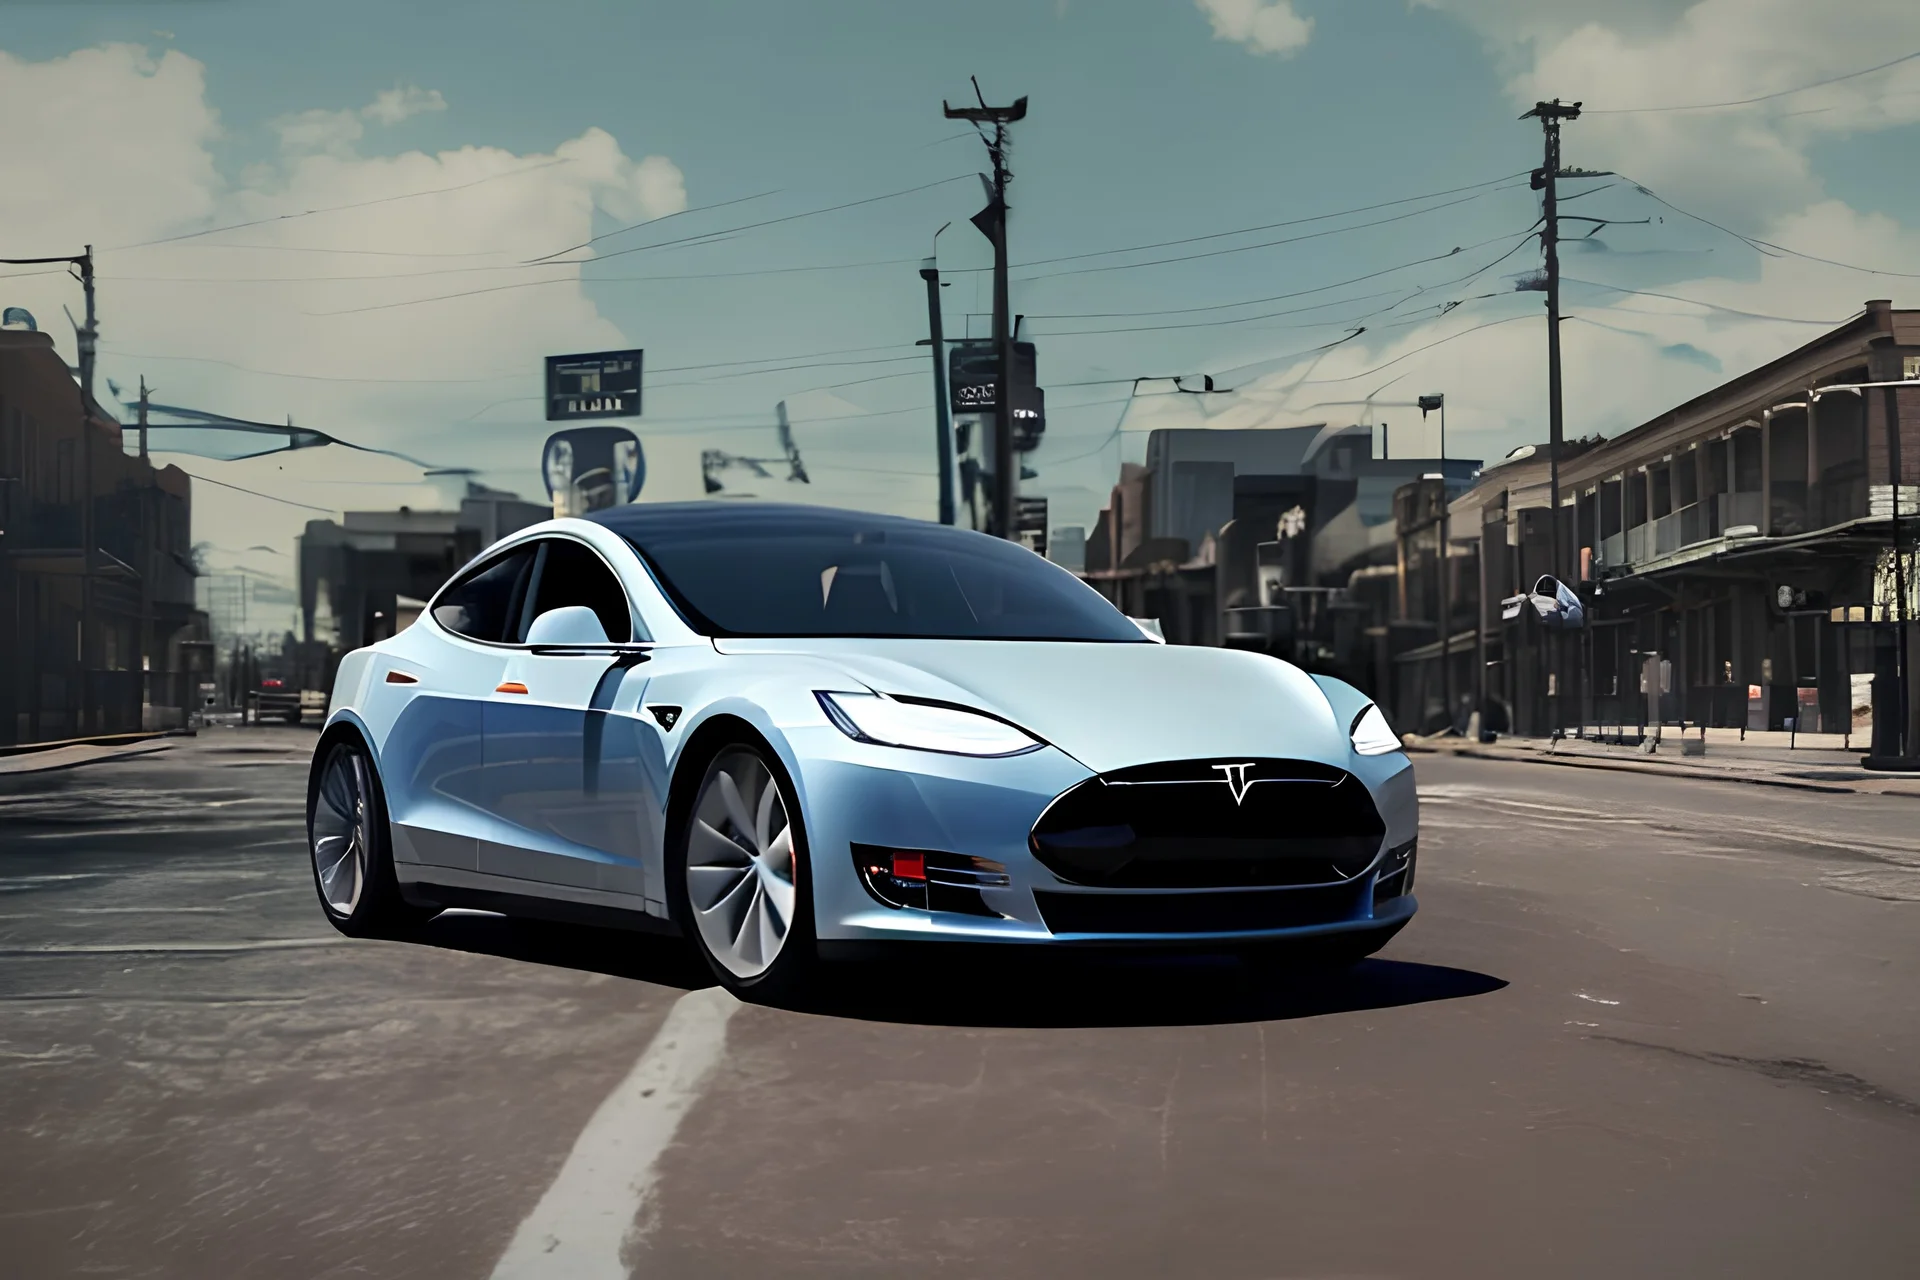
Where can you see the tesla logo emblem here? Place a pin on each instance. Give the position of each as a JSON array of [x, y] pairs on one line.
[[1236, 779]]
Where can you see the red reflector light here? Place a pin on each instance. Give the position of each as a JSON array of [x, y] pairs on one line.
[[269, 684], [909, 866]]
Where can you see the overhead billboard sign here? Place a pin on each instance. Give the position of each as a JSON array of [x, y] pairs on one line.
[[600, 384]]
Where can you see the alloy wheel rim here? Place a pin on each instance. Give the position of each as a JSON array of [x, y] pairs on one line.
[[340, 829], [741, 873]]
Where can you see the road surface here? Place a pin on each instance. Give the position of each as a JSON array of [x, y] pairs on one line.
[[1641, 1026]]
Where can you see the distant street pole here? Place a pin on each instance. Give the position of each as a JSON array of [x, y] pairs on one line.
[[1427, 404], [86, 339], [942, 411], [992, 222]]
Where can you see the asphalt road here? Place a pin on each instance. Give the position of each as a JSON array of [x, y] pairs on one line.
[[1641, 1026]]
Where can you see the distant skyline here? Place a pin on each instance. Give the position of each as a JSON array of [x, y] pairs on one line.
[[401, 168]]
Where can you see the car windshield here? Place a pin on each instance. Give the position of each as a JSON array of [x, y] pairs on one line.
[[840, 574]]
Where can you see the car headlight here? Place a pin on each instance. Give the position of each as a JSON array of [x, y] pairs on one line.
[[1372, 735], [923, 726]]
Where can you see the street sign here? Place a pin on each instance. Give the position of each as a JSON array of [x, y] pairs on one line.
[[587, 468], [973, 376], [601, 384]]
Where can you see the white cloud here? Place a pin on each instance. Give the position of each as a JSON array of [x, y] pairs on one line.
[[52, 195], [1264, 26], [284, 296], [1629, 357], [391, 106], [334, 132], [1753, 161], [337, 132]]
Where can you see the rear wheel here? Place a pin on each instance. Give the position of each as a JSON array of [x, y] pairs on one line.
[[741, 888], [348, 842]]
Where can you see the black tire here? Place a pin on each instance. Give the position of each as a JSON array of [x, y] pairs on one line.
[[374, 908], [796, 963]]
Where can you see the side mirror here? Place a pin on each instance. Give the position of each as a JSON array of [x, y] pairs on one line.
[[1150, 628], [573, 624], [1559, 608]]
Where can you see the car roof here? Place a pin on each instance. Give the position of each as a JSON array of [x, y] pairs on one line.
[[644, 521]]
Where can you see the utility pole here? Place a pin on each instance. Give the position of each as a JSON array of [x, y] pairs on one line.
[[942, 410], [1545, 178], [992, 223], [144, 393]]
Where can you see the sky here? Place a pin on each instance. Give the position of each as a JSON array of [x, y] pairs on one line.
[[376, 219]]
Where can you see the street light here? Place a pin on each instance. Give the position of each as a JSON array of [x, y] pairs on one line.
[[1427, 404]]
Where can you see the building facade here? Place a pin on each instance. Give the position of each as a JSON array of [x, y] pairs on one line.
[[98, 629], [1734, 554]]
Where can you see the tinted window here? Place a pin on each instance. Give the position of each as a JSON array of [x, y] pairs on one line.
[[485, 604], [843, 577], [571, 574]]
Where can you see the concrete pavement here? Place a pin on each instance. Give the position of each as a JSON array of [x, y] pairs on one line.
[[1763, 759], [1643, 1025]]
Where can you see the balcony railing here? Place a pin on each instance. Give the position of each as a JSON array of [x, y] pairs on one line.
[[1741, 508], [1613, 550], [1666, 534], [1640, 544], [1695, 526]]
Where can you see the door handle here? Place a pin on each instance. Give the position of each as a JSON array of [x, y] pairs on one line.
[[510, 686]]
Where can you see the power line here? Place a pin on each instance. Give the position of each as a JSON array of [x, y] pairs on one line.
[[649, 222], [360, 204], [1768, 248], [1273, 226], [769, 222], [1765, 97], [1211, 324], [1695, 302], [469, 293], [1520, 239], [513, 266], [1317, 382], [1244, 248], [256, 493], [500, 377]]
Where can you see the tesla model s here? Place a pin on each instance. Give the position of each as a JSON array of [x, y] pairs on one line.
[[785, 730]]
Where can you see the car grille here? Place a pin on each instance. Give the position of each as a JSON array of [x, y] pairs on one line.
[[1247, 911], [1207, 824]]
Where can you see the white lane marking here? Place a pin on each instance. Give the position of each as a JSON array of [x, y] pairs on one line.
[[581, 1224]]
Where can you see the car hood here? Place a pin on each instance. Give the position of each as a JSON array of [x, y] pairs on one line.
[[1107, 705]]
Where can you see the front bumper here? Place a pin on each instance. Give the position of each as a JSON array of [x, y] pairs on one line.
[[856, 794]]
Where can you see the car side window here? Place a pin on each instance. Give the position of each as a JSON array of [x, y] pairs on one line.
[[485, 604], [572, 574]]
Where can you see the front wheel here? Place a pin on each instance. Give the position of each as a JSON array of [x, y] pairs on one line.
[[347, 838], [740, 881]]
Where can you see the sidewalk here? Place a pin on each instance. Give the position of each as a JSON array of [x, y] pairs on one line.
[[70, 755], [1758, 760]]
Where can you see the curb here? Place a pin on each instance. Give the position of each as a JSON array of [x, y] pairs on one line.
[[101, 740], [29, 763], [1661, 771]]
